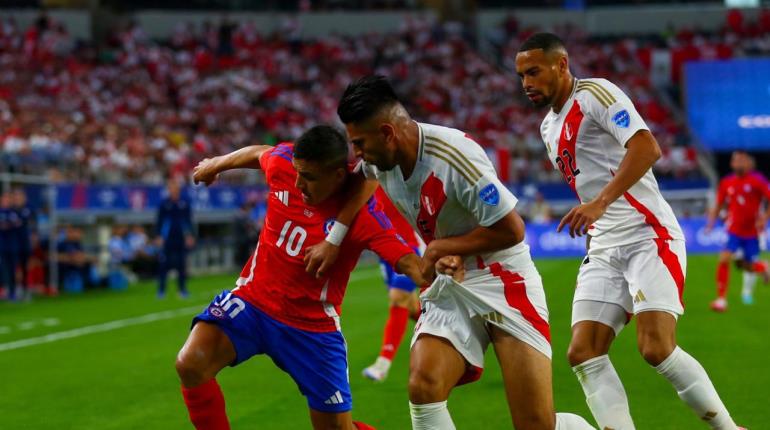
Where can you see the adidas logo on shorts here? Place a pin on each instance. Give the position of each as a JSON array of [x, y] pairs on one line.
[[335, 399]]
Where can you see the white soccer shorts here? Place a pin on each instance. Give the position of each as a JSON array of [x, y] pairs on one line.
[[644, 276], [512, 299]]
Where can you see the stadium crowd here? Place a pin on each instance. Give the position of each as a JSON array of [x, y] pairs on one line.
[[138, 110]]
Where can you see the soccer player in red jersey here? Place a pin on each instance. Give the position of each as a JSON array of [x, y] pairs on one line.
[[743, 193], [401, 295], [276, 307]]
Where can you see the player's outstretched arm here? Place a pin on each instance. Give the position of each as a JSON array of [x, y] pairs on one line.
[[505, 233], [208, 169], [320, 257], [642, 152], [411, 266]]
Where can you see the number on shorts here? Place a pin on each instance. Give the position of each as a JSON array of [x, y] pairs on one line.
[[229, 301]]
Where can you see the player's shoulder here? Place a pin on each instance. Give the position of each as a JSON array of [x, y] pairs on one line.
[[729, 179], [757, 177], [278, 157], [597, 92], [447, 150]]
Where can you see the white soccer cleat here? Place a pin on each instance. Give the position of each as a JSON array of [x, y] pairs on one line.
[[379, 370], [719, 305], [747, 299]]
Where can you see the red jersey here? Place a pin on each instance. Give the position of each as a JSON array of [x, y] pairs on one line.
[[402, 226], [274, 279], [744, 195]]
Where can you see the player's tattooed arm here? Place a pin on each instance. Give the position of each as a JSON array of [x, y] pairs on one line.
[[208, 169], [506, 232], [642, 152], [320, 257]]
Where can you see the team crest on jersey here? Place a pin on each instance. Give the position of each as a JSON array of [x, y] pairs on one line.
[[328, 225], [489, 195], [622, 119], [217, 311]]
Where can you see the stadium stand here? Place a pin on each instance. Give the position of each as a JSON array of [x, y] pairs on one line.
[[128, 110]]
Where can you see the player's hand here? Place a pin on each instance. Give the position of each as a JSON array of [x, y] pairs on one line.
[[581, 217], [453, 266], [429, 258], [205, 172], [319, 258]]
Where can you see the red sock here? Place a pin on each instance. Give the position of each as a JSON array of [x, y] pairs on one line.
[[363, 426], [416, 314], [206, 406], [759, 267], [723, 279], [394, 331]]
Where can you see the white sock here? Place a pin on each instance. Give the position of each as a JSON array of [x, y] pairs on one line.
[[431, 416], [694, 387], [566, 421], [749, 280], [604, 392]]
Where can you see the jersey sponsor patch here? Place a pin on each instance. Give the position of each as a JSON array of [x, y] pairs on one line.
[[622, 119], [490, 195]]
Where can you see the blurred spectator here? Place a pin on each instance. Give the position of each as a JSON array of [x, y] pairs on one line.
[[539, 210], [75, 265], [175, 236], [119, 255], [142, 253], [27, 226], [118, 247], [9, 246]]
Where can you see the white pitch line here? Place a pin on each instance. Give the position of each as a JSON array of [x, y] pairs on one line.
[[98, 328], [114, 325]]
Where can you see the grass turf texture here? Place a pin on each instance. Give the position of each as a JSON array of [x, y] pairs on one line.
[[125, 379]]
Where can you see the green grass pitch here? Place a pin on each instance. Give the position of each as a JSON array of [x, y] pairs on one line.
[[124, 378]]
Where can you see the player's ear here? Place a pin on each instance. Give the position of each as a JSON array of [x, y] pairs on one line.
[[388, 131]]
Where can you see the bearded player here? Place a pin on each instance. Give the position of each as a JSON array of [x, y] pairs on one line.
[[636, 260]]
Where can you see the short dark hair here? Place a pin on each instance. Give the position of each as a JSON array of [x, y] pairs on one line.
[[364, 98], [546, 41], [324, 144]]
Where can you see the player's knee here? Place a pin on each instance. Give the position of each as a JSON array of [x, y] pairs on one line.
[[579, 353], [190, 372], [425, 387], [655, 350]]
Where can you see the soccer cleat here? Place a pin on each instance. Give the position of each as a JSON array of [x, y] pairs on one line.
[[379, 370], [719, 305], [747, 299], [765, 274]]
